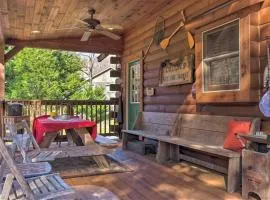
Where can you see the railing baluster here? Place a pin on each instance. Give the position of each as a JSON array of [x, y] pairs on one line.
[[45, 107], [114, 117], [82, 111], [77, 110], [100, 118], [91, 110], [87, 111], [105, 118]]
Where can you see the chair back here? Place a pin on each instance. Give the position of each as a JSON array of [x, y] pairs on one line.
[[23, 140], [10, 163]]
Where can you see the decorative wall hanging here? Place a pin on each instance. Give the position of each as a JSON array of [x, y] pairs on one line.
[[149, 91], [165, 42], [158, 34], [177, 72], [191, 42]]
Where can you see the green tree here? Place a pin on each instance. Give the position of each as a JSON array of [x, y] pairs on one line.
[[47, 74]]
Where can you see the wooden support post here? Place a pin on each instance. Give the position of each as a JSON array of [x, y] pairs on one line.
[[234, 175], [141, 82], [2, 72]]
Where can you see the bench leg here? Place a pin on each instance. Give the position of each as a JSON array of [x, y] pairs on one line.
[[124, 140], [233, 178], [163, 152], [174, 152], [127, 137]]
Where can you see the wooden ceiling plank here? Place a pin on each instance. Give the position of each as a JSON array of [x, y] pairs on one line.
[[12, 52], [76, 14], [29, 14], [39, 4], [71, 8], [97, 44], [21, 4], [12, 17], [52, 15], [4, 13], [46, 16]]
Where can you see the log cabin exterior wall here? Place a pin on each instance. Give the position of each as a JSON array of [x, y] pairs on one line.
[[179, 98]]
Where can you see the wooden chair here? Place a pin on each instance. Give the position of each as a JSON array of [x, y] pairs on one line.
[[24, 142], [29, 169], [40, 187]]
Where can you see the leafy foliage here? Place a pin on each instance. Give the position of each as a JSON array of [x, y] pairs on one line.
[[48, 74]]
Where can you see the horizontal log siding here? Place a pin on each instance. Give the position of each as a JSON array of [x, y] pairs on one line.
[[178, 98]]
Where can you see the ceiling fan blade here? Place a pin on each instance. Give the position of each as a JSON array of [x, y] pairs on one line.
[[86, 36], [81, 21], [107, 33], [59, 29]]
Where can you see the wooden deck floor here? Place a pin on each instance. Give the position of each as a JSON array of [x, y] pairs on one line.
[[150, 180]]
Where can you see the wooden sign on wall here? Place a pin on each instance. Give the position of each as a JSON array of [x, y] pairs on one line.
[[176, 72]]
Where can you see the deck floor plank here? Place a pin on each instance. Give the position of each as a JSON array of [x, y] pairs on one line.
[[151, 180]]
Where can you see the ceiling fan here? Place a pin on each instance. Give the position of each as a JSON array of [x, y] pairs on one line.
[[94, 25]]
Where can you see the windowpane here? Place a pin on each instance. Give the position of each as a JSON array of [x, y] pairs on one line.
[[221, 58]]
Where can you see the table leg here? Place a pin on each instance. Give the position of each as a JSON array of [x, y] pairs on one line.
[[48, 139], [75, 137], [86, 138]]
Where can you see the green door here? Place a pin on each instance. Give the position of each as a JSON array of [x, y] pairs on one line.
[[133, 92]]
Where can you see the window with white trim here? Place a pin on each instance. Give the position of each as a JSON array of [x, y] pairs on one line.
[[221, 58]]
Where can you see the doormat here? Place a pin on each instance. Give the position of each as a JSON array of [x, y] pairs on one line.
[[72, 167]]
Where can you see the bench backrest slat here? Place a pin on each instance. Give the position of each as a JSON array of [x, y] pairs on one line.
[[207, 129], [156, 123]]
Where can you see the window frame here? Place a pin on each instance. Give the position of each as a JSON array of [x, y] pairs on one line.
[[219, 57]]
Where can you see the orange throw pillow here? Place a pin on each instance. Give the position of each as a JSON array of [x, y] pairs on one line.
[[231, 141]]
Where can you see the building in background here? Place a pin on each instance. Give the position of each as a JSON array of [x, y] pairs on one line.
[[98, 73]]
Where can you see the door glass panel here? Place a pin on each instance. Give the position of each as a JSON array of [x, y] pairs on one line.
[[135, 83]]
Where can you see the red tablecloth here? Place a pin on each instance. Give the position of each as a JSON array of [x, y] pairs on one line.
[[44, 124]]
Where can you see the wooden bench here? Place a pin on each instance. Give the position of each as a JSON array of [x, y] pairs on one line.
[[197, 139], [150, 125]]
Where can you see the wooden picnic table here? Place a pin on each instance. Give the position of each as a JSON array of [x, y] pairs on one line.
[[78, 133], [45, 128]]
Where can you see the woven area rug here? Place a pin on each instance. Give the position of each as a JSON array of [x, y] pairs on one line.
[[85, 166]]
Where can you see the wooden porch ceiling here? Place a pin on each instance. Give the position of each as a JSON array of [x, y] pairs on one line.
[[21, 17]]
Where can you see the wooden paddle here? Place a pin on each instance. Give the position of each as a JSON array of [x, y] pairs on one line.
[[165, 42], [191, 41]]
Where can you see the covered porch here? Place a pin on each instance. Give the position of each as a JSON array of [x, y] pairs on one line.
[[188, 68]]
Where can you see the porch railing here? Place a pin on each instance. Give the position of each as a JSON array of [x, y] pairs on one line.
[[101, 111]]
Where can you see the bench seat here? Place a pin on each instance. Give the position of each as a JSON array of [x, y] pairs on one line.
[[212, 149], [216, 150]]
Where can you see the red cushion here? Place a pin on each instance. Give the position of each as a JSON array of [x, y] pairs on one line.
[[231, 141]]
